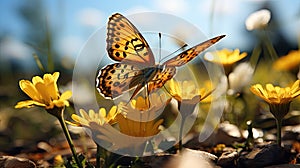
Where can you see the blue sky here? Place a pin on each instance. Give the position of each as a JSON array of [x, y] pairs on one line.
[[69, 18]]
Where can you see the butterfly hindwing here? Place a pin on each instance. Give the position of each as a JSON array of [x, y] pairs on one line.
[[191, 53], [161, 78], [125, 43], [115, 79]]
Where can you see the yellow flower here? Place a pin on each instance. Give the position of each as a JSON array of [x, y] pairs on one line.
[[279, 100], [138, 128], [43, 92], [187, 91], [275, 94], [137, 124], [225, 57], [137, 119], [288, 62], [156, 101], [100, 118]]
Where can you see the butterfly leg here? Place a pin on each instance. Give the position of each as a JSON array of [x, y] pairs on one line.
[[147, 100], [136, 91]]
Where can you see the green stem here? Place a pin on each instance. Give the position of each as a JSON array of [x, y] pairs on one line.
[[98, 162], [269, 46], [180, 133], [279, 125], [255, 55], [68, 137], [50, 66]]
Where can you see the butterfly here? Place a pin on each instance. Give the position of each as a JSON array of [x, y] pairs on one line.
[[135, 67]]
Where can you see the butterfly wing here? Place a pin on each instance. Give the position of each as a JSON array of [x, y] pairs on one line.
[[115, 79], [191, 53], [125, 43], [161, 78]]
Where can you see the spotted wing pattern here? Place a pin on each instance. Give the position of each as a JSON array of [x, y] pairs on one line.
[[191, 53], [125, 43], [161, 78], [114, 79]]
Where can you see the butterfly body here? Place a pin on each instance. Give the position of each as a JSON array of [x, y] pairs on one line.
[[136, 66]]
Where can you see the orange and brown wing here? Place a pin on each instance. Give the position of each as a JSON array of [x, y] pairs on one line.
[[115, 79], [191, 53], [161, 78], [125, 43]]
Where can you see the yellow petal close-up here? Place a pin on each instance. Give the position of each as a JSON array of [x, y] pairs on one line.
[[79, 120], [28, 88], [43, 91], [37, 79], [66, 95], [28, 104], [112, 114]]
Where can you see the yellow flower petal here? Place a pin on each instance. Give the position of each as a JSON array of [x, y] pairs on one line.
[[43, 90], [295, 86], [112, 114], [28, 88], [28, 104], [79, 120], [102, 112], [66, 95], [50, 83], [36, 80]]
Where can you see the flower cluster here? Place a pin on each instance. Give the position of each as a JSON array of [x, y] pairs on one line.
[[133, 124]]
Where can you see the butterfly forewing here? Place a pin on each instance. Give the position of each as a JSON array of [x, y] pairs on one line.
[[125, 43], [191, 53]]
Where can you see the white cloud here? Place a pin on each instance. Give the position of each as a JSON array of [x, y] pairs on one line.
[[172, 6], [12, 48], [136, 9], [70, 46], [90, 17]]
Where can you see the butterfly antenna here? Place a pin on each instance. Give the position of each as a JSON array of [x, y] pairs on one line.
[[147, 100], [159, 55], [181, 48]]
